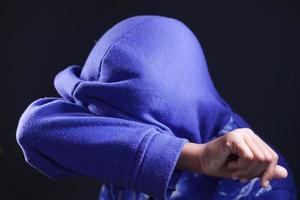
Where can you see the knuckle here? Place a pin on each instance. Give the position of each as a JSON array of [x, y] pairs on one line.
[[276, 157], [234, 132], [269, 159], [247, 130], [231, 136], [268, 175], [261, 158], [240, 131], [248, 158], [237, 131], [228, 135]]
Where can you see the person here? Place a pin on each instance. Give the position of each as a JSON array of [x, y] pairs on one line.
[[143, 117]]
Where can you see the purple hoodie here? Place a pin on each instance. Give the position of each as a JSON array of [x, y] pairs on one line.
[[123, 118]]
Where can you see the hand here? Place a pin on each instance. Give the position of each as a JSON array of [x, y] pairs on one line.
[[239, 154]]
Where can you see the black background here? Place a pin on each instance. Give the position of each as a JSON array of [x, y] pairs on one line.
[[252, 50]]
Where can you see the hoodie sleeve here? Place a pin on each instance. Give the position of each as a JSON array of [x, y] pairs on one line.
[[62, 139]]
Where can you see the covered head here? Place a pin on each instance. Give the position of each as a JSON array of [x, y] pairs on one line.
[[149, 69]]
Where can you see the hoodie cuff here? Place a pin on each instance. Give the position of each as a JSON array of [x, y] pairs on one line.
[[173, 181], [156, 174]]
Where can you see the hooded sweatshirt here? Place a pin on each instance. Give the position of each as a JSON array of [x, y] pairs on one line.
[[123, 118]]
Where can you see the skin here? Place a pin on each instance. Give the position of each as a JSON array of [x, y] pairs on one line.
[[239, 154]]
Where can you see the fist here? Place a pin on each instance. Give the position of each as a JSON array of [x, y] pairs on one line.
[[239, 154]]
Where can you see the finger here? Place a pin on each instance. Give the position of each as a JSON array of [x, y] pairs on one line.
[[239, 164], [270, 157], [225, 172], [269, 172], [239, 147], [280, 172], [268, 175], [257, 153], [255, 169]]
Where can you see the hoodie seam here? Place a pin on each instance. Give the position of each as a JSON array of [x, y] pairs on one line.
[[119, 39], [141, 152]]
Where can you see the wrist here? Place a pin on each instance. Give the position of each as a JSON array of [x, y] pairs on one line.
[[189, 157]]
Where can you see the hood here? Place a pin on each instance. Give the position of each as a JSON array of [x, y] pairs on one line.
[[150, 69]]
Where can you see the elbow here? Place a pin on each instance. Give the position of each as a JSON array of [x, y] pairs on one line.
[[27, 137], [32, 137], [29, 123], [26, 128], [24, 132]]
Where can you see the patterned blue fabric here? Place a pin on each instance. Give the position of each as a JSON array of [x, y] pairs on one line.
[[194, 186]]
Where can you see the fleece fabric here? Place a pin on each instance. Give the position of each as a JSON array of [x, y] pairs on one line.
[[123, 118]]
